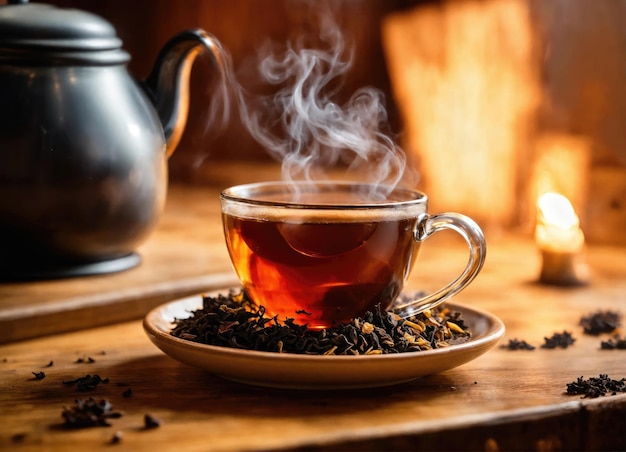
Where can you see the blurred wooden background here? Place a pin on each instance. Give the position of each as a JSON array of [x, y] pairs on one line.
[[581, 55], [585, 44], [242, 26]]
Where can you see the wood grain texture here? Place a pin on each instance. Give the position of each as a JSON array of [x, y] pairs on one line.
[[504, 400]]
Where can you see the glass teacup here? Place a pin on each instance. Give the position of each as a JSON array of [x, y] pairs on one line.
[[323, 253]]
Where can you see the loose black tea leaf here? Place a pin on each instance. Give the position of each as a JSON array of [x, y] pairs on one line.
[[50, 364], [86, 383], [128, 393], [233, 321], [600, 322], [88, 360], [614, 343], [559, 340], [117, 437], [596, 386], [515, 344], [19, 437], [89, 413], [151, 422], [39, 375]]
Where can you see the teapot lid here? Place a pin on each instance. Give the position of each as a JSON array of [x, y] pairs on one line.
[[46, 30]]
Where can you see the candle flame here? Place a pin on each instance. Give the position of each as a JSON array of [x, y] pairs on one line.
[[557, 210], [558, 226]]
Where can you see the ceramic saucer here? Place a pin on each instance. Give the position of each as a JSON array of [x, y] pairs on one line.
[[283, 370]]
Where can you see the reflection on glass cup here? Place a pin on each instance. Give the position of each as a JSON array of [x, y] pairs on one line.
[[324, 253]]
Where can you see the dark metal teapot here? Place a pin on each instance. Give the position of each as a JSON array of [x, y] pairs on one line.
[[83, 146]]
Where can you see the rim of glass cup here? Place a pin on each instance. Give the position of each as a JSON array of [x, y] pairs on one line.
[[257, 193]]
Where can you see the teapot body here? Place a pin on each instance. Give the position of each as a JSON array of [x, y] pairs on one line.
[[83, 168], [83, 146]]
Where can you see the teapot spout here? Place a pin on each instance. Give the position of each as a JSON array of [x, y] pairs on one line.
[[168, 83]]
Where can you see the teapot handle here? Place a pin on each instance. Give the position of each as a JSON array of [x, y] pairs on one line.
[[168, 83]]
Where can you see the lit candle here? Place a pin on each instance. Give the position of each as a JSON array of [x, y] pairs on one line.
[[561, 241]]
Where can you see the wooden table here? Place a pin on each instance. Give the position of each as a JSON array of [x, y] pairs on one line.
[[501, 401]]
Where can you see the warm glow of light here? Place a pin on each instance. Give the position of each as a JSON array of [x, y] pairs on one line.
[[464, 76], [562, 163], [558, 227], [557, 210]]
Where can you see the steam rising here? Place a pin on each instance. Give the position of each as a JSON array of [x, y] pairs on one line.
[[304, 128]]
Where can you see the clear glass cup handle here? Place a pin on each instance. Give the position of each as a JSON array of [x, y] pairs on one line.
[[475, 239]]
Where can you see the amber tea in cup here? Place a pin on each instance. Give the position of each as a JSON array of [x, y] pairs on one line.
[[324, 253]]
